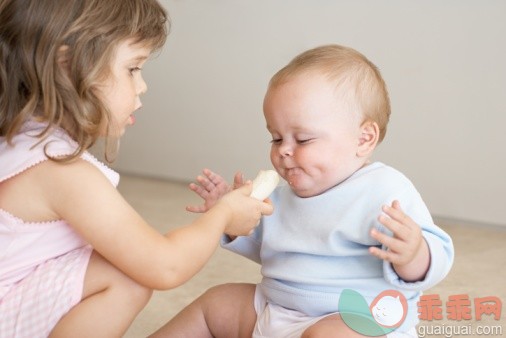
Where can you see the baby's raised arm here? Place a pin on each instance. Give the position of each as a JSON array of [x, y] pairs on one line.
[[211, 187], [407, 250]]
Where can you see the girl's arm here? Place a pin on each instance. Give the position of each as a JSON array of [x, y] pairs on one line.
[[79, 193]]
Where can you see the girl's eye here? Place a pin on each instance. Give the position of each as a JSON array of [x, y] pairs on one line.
[[135, 69], [276, 141], [304, 141]]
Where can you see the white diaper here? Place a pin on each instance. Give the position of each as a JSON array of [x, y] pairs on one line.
[[274, 321]]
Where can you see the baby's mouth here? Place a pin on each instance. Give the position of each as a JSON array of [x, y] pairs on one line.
[[292, 171]]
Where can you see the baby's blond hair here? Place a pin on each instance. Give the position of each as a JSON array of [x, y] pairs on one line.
[[358, 81]]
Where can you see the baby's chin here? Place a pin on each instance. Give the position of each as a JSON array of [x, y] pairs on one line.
[[310, 191], [306, 193]]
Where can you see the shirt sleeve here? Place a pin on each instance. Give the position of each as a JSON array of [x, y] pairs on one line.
[[441, 260], [247, 246]]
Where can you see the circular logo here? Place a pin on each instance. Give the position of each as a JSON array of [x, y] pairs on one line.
[[386, 312]]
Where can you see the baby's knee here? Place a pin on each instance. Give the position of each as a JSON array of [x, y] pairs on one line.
[[330, 326], [215, 292], [316, 332], [236, 291], [313, 333]]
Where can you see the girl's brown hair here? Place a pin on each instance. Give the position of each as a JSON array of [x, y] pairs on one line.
[[35, 35]]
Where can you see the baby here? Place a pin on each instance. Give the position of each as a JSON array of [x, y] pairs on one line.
[[338, 224]]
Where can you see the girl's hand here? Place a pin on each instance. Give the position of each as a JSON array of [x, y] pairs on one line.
[[245, 211], [407, 250], [211, 187]]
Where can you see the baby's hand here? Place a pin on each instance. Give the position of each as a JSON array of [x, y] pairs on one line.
[[211, 187], [407, 250]]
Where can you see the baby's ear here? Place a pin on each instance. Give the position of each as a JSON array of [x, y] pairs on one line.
[[368, 139]]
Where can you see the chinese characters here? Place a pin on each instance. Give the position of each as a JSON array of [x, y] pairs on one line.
[[458, 307]]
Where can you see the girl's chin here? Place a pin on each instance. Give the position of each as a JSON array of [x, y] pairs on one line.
[[118, 132], [131, 120]]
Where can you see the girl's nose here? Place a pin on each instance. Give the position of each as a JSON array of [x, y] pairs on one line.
[[142, 87]]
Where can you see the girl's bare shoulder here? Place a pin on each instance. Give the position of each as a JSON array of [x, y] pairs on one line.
[[34, 194]]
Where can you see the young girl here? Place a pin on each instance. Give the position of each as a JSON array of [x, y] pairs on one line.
[[75, 258]]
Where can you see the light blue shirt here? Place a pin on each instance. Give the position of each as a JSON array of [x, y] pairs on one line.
[[312, 248]]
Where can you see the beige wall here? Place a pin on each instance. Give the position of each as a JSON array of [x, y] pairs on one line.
[[444, 63]]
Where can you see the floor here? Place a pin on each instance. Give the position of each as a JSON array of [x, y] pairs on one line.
[[479, 269]]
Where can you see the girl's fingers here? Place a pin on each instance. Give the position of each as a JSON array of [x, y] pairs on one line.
[[267, 207]]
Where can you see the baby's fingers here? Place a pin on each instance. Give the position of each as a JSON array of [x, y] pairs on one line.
[[397, 228], [206, 183], [213, 177], [199, 190], [385, 255], [238, 180], [396, 213], [392, 243]]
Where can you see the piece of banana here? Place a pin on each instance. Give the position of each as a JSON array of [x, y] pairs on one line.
[[264, 184]]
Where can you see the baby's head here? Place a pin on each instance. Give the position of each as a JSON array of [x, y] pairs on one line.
[[56, 54], [326, 111], [359, 86]]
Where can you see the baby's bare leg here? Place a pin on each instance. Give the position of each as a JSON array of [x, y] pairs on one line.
[[331, 326], [110, 302], [223, 311]]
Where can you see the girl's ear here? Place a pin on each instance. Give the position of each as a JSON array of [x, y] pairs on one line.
[[368, 139]]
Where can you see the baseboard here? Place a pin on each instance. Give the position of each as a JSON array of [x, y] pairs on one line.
[[442, 220]]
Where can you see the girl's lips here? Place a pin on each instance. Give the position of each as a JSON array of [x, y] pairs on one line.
[[131, 120]]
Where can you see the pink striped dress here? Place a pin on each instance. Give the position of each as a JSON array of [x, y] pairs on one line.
[[42, 264]]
